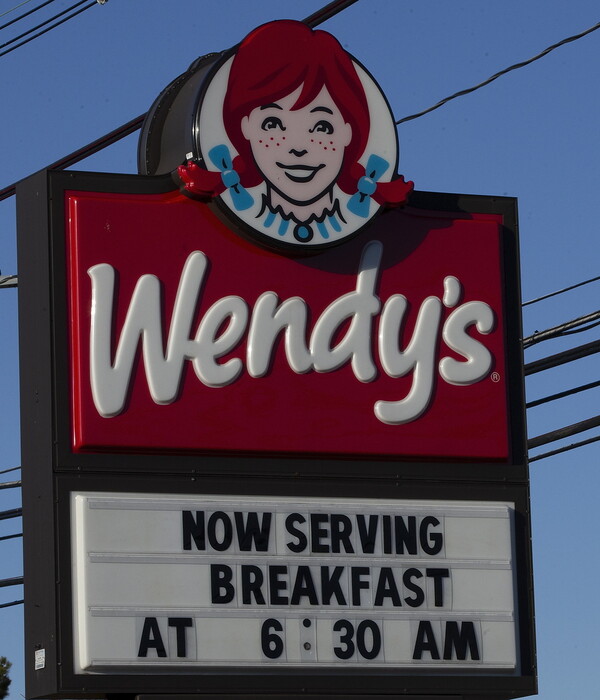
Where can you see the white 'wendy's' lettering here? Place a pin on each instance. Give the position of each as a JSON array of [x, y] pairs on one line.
[[225, 323]]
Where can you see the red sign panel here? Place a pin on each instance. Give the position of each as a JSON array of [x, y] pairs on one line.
[[186, 338]]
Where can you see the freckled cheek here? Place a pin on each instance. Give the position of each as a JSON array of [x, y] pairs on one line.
[[271, 142], [324, 144]]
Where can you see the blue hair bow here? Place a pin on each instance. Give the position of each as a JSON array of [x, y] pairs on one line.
[[221, 158], [359, 203]]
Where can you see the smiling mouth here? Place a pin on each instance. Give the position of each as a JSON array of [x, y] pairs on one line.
[[300, 173]]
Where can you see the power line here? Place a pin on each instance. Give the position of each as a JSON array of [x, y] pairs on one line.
[[16, 7], [11, 537], [25, 14], [42, 24], [12, 469], [560, 291], [567, 448], [53, 26], [6, 582], [577, 325], [327, 12], [10, 485], [8, 514], [562, 394], [16, 581], [562, 358], [581, 330], [491, 79], [561, 433]]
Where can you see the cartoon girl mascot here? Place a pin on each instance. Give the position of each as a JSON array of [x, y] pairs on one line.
[[296, 163]]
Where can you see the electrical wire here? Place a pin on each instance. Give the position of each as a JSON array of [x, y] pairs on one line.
[[562, 394], [582, 330], [560, 450], [13, 513], [6, 582], [25, 14], [10, 485], [14, 602], [327, 12], [491, 79], [564, 432], [53, 26], [42, 24], [577, 325], [12, 469], [11, 537], [8, 281], [562, 358], [560, 291], [16, 7]]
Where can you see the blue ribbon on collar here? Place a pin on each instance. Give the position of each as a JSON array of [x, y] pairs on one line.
[[360, 202], [221, 158]]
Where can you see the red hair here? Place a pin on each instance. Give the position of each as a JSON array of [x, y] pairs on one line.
[[276, 59]]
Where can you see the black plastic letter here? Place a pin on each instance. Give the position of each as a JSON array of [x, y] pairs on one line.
[[151, 638]]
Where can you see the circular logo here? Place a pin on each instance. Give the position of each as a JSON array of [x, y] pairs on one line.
[[294, 140]]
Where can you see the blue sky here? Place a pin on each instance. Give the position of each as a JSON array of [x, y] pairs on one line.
[[532, 134]]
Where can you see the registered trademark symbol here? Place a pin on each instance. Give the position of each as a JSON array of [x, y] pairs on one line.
[[495, 377]]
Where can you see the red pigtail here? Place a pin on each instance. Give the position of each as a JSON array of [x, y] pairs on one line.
[[198, 182], [394, 193]]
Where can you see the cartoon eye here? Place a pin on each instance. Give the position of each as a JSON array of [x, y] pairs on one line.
[[272, 123], [322, 126]]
